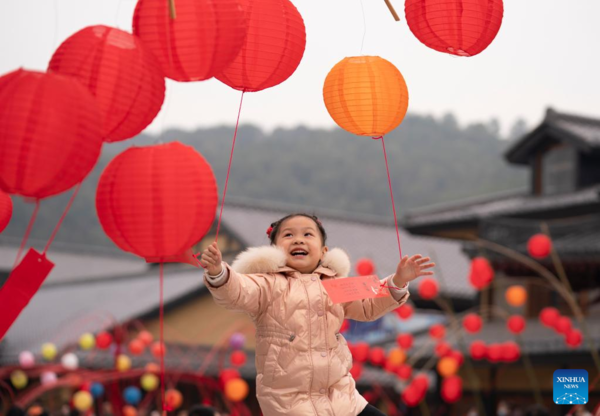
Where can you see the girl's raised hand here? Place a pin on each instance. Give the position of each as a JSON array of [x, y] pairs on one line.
[[411, 268], [211, 259]]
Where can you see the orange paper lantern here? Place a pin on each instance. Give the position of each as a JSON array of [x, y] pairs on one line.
[[236, 390], [447, 366], [396, 357], [173, 399], [366, 95], [516, 296]]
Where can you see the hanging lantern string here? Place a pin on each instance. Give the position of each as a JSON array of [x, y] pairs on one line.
[[27, 232], [391, 193], [172, 10], [237, 123], [64, 214], [161, 319]]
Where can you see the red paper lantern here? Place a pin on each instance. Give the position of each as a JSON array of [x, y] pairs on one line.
[[421, 383], [157, 201], [226, 375], [103, 340], [563, 325], [203, 38], [158, 349], [377, 356], [516, 324], [549, 316], [428, 289], [404, 371], [238, 358], [365, 267], [539, 246], [146, 337], [481, 273], [411, 396], [173, 399], [405, 341], [472, 323], [442, 349], [361, 352], [120, 71], [458, 356], [273, 47], [437, 331], [405, 311], [462, 27], [510, 351], [50, 133], [136, 347], [6, 208], [356, 370], [574, 338], [478, 350], [451, 389]]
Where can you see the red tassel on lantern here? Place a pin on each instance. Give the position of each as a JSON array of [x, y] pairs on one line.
[[120, 71], [461, 27], [273, 48], [198, 43], [157, 201], [50, 133], [6, 209]]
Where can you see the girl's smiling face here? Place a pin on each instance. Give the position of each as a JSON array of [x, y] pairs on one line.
[[302, 242]]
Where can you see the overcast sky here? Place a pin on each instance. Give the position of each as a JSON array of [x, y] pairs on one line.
[[546, 54]]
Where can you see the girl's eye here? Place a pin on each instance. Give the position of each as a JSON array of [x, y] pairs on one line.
[[308, 234], [288, 235]]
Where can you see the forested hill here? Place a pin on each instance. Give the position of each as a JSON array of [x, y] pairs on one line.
[[430, 160]]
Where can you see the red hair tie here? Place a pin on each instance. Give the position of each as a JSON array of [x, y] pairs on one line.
[[269, 231]]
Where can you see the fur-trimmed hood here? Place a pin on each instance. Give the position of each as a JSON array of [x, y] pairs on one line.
[[269, 259]]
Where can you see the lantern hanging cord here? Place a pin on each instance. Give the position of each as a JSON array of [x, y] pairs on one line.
[[391, 192], [362, 7], [162, 340], [27, 232], [237, 123], [64, 214]]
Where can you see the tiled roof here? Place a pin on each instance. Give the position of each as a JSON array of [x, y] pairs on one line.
[[582, 132], [374, 238], [61, 313], [519, 203]]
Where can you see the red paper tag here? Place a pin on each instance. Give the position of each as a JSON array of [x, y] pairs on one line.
[[23, 282], [355, 288]]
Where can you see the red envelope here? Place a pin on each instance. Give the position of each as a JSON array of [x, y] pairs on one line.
[[23, 282], [348, 289]]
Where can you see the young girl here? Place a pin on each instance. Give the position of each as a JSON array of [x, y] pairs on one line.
[[302, 361]]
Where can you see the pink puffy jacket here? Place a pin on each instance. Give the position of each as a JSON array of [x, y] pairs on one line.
[[302, 361]]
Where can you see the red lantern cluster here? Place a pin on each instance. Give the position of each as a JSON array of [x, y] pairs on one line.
[[103, 340], [442, 349], [404, 372], [157, 201], [120, 71], [428, 289], [136, 347], [273, 47], [472, 323], [539, 246], [377, 356], [365, 267], [416, 391], [562, 325], [495, 353], [6, 208], [199, 43], [462, 27], [238, 358], [360, 352], [50, 133], [481, 273], [356, 370]]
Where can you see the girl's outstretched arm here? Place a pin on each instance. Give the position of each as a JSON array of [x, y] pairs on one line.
[[235, 291], [409, 269]]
